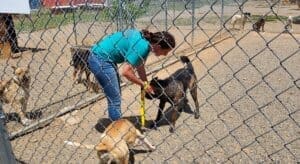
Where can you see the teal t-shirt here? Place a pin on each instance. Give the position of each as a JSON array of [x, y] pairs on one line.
[[129, 46]]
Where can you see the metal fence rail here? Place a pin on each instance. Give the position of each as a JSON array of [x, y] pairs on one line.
[[248, 82]]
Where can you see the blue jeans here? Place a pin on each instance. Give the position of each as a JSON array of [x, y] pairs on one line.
[[106, 74]]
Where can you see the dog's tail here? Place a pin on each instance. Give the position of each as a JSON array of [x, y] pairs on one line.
[[186, 60]]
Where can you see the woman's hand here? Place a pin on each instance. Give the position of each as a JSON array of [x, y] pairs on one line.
[[148, 88], [128, 72]]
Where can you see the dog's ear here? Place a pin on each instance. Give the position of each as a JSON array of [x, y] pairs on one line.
[[27, 68], [155, 78], [13, 67], [100, 147], [154, 81]]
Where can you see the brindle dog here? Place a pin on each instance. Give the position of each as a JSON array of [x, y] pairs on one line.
[[173, 90], [80, 56]]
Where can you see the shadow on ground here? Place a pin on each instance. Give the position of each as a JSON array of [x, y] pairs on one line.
[[104, 122], [20, 51]]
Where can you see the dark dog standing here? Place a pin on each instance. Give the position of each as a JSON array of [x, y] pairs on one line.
[[173, 90], [259, 24], [80, 56]]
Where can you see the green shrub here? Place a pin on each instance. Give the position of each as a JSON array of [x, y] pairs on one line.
[[129, 10], [269, 18]]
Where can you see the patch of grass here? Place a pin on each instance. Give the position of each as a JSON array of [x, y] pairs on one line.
[[183, 22], [269, 18], [296, 19], [44, 19]]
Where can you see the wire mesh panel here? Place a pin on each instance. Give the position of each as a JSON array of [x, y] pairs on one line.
[[247, 69]]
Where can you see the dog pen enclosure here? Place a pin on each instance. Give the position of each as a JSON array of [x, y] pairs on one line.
[[248, 82]]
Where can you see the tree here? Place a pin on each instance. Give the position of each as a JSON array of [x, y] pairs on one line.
[[125, 12]]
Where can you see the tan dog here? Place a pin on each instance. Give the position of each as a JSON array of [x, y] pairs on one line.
[[116, 140], [15, 91]]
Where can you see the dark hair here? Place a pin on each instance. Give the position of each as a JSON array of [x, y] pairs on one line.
[[163, 38]]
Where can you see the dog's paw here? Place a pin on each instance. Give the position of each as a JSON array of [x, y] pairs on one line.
[[152, 148], [197, 115]]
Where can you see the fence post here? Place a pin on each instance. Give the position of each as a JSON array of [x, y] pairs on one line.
[[193, 20], [166, 15], [222, 17], [6, 153]]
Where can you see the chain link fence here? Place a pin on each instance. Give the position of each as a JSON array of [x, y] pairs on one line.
[[248, 81]]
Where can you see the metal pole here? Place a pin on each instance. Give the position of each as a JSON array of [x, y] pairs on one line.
[[193, 20], [166, 15], [222, 17], [74, 25], [120, 13], [6, 153]]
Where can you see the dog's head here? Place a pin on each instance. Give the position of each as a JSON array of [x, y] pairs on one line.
[[261, 20], [290, 19], [158, 86], [105, 157], [22, 75]]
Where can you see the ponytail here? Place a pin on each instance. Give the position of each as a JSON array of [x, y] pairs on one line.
[[147, 35], [163, 38]]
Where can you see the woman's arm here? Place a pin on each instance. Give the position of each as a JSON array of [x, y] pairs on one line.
[[128, 72], [142, 72]]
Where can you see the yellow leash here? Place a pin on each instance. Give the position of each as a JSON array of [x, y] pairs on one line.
[[142, 110]]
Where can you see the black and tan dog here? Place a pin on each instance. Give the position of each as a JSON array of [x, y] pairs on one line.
[[173, 90], [15, 91]]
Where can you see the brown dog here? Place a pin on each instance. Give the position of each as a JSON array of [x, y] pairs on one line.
[[116, 140], [173, 90], [15, 91], [79, 62], [259, 24]]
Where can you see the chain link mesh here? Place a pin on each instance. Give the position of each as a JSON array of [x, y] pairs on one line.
[[248, 82]]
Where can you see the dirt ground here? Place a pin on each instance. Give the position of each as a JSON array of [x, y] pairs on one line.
[[248, 90]]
